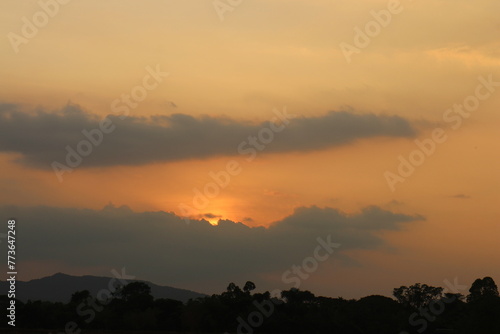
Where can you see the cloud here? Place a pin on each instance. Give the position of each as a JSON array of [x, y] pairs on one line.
[[161, 247], [207, 215], [42, 137], [210, 215]]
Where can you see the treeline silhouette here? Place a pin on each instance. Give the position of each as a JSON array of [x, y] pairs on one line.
[[418, 308]]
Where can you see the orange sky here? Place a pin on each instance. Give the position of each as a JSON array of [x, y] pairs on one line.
[[277, 54]]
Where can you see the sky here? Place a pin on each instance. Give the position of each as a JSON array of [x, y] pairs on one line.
[[343, 147]]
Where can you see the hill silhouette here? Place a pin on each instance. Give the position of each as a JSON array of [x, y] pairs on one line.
[[59, 288]]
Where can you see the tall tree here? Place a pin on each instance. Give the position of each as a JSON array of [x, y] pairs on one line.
[[482, 288]]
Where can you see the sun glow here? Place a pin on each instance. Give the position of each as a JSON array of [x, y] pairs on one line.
[[213, 221]]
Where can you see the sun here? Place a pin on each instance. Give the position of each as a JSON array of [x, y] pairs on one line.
[[213, 221], [212, 218]]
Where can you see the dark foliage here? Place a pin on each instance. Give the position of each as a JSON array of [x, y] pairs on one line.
[[417, 309]]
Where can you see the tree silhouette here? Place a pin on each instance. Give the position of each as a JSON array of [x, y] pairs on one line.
[[418, 307], [232, 291], [249, 286], [296, 296], [377, 314], [482, 288], [136, 294], [80, 296], [417, 295]]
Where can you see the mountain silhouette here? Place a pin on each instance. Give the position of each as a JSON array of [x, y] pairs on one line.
[[59, 288]]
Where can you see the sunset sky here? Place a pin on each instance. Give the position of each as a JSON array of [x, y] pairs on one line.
[[172, 93]]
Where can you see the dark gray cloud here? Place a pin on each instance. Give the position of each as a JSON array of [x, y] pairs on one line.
[[160, 246], [42, 137]]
